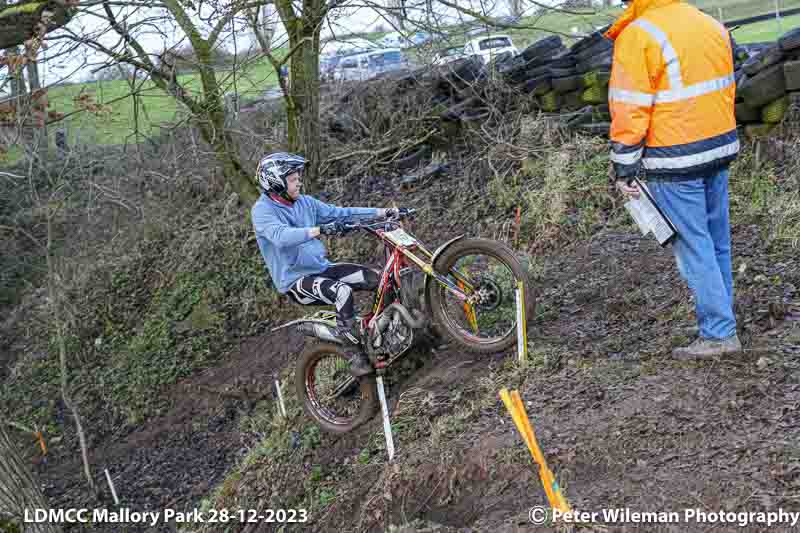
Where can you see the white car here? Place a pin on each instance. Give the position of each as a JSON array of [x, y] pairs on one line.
[[448, 55], [393, 40], [490, 46]]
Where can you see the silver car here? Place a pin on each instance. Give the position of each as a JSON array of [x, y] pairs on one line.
[[369, 64]]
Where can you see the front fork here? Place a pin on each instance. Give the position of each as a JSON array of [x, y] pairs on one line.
[[461, 289]]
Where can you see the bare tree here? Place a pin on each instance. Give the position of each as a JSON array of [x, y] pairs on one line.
[[263, 22], [205, 105], [515, 8], [18, 488], [53, 200], [398, 12], [303, 23]]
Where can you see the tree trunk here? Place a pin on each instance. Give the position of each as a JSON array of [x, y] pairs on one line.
[[40, 135], [303, 114], [18, 488], [213, 130], [17, 83], [33, 76], [264, 26], [225, 151]]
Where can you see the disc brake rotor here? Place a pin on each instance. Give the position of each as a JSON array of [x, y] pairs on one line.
[[490, 294]]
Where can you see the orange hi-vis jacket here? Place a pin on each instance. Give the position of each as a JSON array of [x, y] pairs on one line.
[[671, 93]]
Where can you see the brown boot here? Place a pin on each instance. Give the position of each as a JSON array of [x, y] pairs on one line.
[[359, 364]]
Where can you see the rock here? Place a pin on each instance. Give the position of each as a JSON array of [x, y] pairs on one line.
[[762, 363]]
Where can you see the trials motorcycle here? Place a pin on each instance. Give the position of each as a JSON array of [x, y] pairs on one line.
[[465, 291]]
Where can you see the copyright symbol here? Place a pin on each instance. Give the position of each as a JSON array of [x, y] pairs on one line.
[[537, 515]]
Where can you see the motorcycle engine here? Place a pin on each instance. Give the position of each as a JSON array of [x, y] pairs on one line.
[[390, 337]]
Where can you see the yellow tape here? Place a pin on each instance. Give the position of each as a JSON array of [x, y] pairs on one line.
[[469, 311], [516, 408]]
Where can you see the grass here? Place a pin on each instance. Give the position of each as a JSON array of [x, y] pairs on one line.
[[762, 195], [140, 332], [737, 9], [766, 30], [150, 108]]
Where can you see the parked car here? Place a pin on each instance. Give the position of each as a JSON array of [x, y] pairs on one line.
[[388, 60], [447, 55], [367, 65], [393, 40], [349, 68], [418, 38], [327, 64], [490, 46], [348, 45]]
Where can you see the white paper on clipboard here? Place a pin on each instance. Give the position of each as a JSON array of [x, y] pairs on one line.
[[649, 217]]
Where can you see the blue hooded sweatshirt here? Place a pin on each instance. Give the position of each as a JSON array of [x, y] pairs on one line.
[[282, 233]]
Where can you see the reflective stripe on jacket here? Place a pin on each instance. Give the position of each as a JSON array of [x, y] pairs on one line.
[[672, 91]]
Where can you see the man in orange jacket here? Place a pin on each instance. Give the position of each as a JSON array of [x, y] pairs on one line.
[[671, 97]]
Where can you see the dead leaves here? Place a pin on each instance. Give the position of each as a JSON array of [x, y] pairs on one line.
[[85, 101]]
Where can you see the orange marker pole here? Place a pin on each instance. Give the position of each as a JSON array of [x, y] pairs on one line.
[[513, 403]]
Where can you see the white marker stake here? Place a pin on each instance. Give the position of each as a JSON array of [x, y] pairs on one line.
[[111, 486], [387, 427], [280, 398], [522, 338]]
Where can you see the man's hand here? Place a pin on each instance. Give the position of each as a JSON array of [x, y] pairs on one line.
[[631, 191], [395, 212], [332, 229]]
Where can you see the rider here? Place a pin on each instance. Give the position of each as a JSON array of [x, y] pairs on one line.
[[287, 225]]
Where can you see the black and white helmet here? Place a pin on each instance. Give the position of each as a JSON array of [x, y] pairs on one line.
[[274, 168]]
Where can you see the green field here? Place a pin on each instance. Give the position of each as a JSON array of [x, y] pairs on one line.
[[767, 30], [151, 108], [736, 9]]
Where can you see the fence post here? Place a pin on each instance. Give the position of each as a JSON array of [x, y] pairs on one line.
[[387, 425], [522, 333], [281, 405]]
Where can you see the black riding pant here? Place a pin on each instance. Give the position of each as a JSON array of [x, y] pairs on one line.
[[335, 286]]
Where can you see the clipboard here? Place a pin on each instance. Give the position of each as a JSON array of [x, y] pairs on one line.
[[649, 216]]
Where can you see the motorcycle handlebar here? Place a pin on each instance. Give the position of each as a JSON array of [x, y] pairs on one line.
[[348, 227]]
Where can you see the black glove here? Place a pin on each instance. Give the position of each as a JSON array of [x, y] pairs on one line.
[[333, 228], [396, 212]]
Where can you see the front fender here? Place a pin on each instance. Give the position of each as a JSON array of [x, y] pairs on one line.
[[443, 247], [439, 251]]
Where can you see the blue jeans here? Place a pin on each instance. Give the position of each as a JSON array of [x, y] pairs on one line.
[[698, 208]]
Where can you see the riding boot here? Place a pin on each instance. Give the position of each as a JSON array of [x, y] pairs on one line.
[[350, 332]]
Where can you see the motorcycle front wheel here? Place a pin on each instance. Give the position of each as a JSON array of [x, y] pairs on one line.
[[488, 273]]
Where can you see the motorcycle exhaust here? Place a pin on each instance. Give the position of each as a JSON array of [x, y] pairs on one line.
[[321, 331], [418, 321]]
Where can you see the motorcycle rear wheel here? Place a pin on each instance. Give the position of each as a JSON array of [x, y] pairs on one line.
[[326, 387]]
